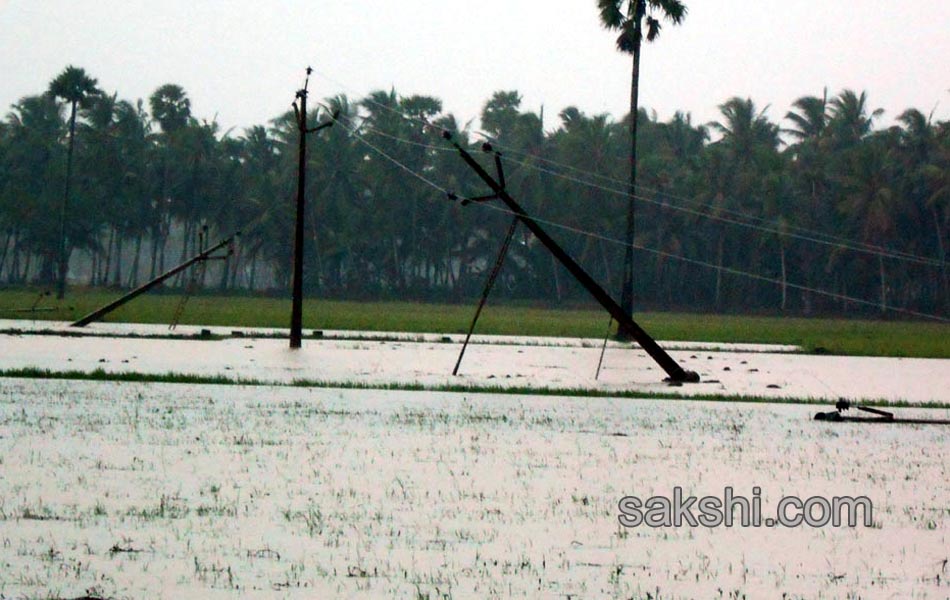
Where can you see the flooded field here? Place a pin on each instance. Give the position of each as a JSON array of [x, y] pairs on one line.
[[427, 360], [179, 491]]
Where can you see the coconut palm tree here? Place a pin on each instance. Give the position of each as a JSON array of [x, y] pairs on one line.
[[133, 133], [926, 165], [171, 108], [75, 87], [937, 174], [740, 164], [629, 17], [33, 163], [850, 121], [744, 129], [810, 117]]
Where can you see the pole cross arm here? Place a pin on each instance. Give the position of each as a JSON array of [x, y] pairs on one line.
[[675, 372], [328, 123], [486, 147]]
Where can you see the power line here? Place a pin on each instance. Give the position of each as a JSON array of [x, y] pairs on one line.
[[705, 264], [810, 235], [729, 270], [696, 202], [405, 168], [843, 246]]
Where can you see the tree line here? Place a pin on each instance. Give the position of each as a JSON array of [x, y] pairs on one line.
[[820, 211]]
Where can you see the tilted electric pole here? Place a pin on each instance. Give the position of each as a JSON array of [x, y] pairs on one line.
[[625, 322]]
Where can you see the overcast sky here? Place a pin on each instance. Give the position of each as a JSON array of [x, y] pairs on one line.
[[242, 60]]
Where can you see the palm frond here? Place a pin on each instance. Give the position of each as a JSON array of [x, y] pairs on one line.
[[627, 40], [611, 17], [674, 10], [653, 28]]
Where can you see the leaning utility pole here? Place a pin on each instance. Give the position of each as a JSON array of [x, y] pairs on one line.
[[625, 322], [203, 256], [296, 311]]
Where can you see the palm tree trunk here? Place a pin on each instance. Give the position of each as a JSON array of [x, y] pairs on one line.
[[14, 253], [134, 271], [6, 245], [626, 293], [719, 273], [63, 255], [26, 267], [94, 268], [608, 276], [14, 262], [784, 279], [397, 270], [943, 258], [118, 260], [185, 238], [880, 262], [253, 274], [227, 270], [164, 230], [154, 256], [104, 276]]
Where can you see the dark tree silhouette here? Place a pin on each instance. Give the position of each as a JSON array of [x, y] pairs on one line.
[[629, 18], [76, 88]]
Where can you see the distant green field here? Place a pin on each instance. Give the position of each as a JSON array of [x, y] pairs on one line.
[[834, 336]]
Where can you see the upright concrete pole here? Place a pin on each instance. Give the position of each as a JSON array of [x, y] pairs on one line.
[[296, 311]]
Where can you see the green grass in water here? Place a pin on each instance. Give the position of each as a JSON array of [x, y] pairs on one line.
[[186, 378], [834, 336]]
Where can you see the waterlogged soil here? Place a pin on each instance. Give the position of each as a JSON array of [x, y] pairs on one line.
[[182, 491], [428, 360]]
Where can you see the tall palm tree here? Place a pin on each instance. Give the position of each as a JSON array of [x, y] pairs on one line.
[[740, 163], [745, 129], [937, 174], [133, 132], [870, 203], [926, 163], [850, 121], [75, 87], [33, 163], [171, 108], [810, 117], [629, 18]]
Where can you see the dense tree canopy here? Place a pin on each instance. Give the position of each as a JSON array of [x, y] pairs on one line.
[[742, 214]]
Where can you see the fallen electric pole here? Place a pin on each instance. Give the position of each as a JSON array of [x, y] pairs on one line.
[[203, 256]]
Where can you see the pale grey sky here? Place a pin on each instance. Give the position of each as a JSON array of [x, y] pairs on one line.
[[242, 60]]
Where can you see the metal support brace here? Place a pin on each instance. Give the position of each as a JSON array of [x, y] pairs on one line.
[[502, 253], [488, 286]]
